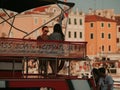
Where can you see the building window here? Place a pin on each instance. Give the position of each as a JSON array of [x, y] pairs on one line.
[[52, 23], [54, 10], [11, 21], [102, 48], [69, 21], [109, 36], [80, 21], [102, 24], [80, 34], [119, 29], [118, 40], [109, 25], [102, 35], [36, 33], [35, 20], [11, 34], [3, 34], [75, 21], [75, 34], [44, 21], [109, 48], [91, 25], [3, 24], [91, 36], [99, 14], [69, 34]]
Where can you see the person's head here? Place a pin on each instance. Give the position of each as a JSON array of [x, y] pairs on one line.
[[58, 28], [45, 30], [95, 71], [102, 71]]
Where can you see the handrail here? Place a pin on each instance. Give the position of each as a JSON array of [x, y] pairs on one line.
[[33, 48]]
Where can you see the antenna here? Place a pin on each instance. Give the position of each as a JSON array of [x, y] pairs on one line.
[[94, 6]]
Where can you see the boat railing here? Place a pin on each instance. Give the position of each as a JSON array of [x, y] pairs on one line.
[[32, 48], [16, 55]]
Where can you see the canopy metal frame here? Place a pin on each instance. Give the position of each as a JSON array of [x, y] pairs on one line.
[[15, 6]]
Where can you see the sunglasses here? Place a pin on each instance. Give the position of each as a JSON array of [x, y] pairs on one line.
[[46, 31]]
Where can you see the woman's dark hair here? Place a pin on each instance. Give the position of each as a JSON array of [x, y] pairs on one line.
[[95, 71], [58, 28]]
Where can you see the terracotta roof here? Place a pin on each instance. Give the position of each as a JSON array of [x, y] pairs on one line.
[[117, 18], [37, 10], [29, 12], [40, 9], [2, 14], [93, 18]]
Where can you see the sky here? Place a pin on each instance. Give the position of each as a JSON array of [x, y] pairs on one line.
[[84, 5]]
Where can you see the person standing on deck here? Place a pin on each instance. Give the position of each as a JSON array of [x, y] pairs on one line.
[[57, 35], [44, 35], [43, 63]]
